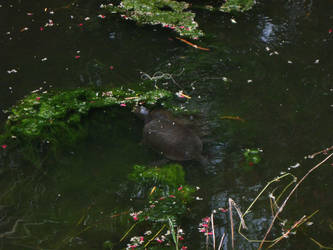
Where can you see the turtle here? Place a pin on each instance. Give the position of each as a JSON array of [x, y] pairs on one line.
[[170, 136]]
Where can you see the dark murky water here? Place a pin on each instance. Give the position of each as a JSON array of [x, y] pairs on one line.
[[272, 68]]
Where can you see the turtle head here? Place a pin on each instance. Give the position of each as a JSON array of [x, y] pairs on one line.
[[142, 112]]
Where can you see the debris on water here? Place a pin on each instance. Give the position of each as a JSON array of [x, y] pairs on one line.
[[11, 71], [233, 20], [317, 61]]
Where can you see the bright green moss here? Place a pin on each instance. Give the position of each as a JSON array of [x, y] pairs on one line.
[[171, 175], [43, 121], [237, 5], [170, 14], [37, 114], [168, 192]]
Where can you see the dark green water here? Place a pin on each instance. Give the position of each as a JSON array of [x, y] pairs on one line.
[[285, 99]]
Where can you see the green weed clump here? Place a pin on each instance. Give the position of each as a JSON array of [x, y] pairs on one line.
[[170, 14], [43, 121], [237, 5], [167, 198]]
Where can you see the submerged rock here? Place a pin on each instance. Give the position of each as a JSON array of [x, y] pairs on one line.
[[170, 136]]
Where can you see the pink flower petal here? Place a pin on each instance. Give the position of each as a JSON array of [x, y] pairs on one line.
[[4, 146]]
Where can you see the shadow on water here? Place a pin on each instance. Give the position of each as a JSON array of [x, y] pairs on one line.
[[272, 69]]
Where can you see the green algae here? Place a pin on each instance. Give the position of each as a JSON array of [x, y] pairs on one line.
[[237, 5], [54, 120], [38, 115], [174, 15], [168, 192], [167, 198], [172, 175], [170, 14]]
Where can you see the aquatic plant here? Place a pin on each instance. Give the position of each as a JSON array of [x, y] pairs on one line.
[[54, 119], [237, 5], [169, 14], [167, 198], [252, 156]]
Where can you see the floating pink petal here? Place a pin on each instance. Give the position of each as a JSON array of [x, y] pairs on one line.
[[77, 57], [122, 104], [37, 98], [172, 196], [180, 188], [223, 210], [111, 67], [4, 146], [184, 247], [206, 219], [80, 24], [330, 31]]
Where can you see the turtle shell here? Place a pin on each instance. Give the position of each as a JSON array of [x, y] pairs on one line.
[[175, 141]]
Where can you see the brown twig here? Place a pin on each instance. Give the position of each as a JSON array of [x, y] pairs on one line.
[[191, 44], [288, 197], [320, 152]]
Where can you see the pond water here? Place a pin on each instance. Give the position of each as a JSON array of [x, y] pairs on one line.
[[272, 69]]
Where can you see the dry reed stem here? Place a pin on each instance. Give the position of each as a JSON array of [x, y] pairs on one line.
[[231, 224], [296, 225], [221, 242], [159, 231], [285, 235], [213, 230], [288, 197], [320, 245], [276, 179]]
